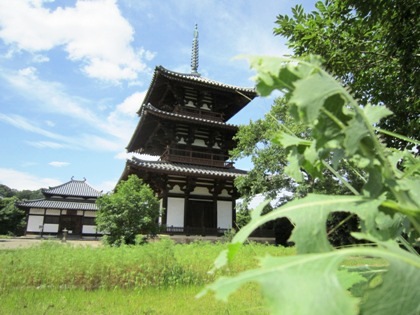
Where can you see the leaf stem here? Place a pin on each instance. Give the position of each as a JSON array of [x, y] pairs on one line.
[[342, 179]]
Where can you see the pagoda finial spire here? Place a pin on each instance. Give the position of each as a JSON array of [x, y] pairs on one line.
[[194, 55]]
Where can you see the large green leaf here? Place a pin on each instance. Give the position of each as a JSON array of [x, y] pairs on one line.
[[311, 284], [399, 291], [304, 284], [310, 215]]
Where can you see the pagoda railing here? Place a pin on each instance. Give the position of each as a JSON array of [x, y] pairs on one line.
[[194, 112], [196, 157]]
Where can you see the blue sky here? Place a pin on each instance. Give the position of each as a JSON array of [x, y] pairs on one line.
[[73, 75]]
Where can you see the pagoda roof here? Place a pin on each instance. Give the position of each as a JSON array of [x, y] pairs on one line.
[[161, 74], [55, 204], [171, 168], [146, 110], [193, 77], [73, 188], [189, 119]]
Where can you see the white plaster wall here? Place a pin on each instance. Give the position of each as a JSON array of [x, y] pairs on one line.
[[89, 229], [201, 191], [51, 228], [36, 211], [199, 143], [91, 214], [176, 189], [224, 214], [53, 212], [34, 221], [205, 107], [224, 193], [175, 212], [79, 212]]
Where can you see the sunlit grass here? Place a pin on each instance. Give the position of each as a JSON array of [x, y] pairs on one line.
[[161, 265], [156, 278], [174, 301]]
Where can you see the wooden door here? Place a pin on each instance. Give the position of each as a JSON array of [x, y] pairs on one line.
[[71, 223], [201, 214]]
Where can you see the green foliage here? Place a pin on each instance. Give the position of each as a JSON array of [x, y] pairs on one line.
[[131, 210], [160, 264], [147, 301], [254, 140], [12, 219], [243, 215], [269, 175], [6, 191], [388, 204], [372, 46], [29, 194]]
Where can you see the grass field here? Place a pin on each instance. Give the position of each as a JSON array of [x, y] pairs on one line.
[[179, 300], [156, 278]]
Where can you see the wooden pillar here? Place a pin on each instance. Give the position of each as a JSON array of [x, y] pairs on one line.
[[165, 207]]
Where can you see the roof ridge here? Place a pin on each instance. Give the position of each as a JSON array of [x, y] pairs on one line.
[[204, 79], [205, 167], [74, 188], [217, 122]]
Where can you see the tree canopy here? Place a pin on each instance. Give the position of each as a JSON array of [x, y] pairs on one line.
[[131, 210], [270, 177], [387, 204], [372, 47], [12, 219]]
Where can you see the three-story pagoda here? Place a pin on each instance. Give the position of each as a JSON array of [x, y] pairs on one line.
[[183, 120]]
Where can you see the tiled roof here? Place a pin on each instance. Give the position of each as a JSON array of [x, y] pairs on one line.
[[77, 188], [180, 168], [162, 113], [54, 204], [199, 79]]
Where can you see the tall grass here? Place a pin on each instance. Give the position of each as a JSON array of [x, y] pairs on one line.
[[161, 264], [172, 301]]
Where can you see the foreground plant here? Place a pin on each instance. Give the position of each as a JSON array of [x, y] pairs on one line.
[[315, 281]]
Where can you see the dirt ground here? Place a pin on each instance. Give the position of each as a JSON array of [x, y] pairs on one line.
[[25, 241]]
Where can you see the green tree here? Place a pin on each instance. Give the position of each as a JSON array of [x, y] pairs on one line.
[[387, 204], [12, 219], [269, 173], [372, 47], [131, 210], [29, 194]]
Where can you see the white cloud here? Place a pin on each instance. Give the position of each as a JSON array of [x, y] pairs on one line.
[[94, 142], [93, 33], [20, 180], [123, 119], [76, 141], [50, 97], [58, 164], [40, 58], [22, 123], [29, 73], [106, 186], [46, 144], [131, 105]]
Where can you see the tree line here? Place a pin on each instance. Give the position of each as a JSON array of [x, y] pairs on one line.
[[12, 219]]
